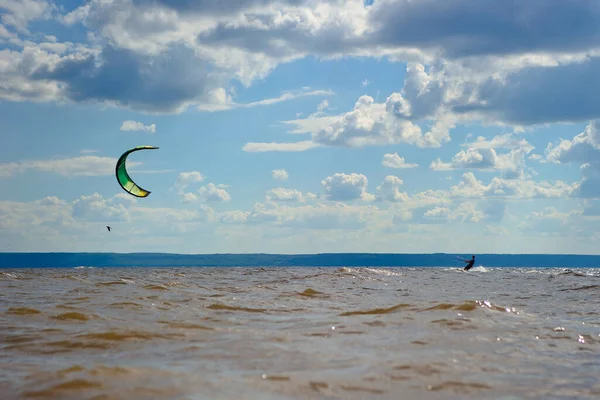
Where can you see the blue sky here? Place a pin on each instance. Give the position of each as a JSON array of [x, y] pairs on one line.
[[301, 126]]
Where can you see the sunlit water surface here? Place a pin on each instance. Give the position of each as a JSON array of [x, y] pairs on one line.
[[299, 333]]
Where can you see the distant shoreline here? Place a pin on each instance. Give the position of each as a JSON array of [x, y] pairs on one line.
[[71, 260]]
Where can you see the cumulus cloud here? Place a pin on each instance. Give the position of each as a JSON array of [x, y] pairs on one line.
[[481, 155], [41, 219], [374, 124], [185, 179], [463, 212], [511, 164], [209, 192], [214, 193], [96, 208], [280, 174], [550, 221], [346, 187], [130, 125], [319, 217], [18, 13], [395, 161], [150, 56], [470, 186], [466, 58], [584, 148], [518, 92], [506, 141], [389, 190], [282, 194]]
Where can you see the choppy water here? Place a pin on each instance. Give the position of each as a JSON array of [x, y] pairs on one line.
[[299, 333]]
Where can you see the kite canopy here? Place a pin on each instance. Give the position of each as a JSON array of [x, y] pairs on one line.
[[123, 177]]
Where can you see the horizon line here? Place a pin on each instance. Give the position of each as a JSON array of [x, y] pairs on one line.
[[300, 254]]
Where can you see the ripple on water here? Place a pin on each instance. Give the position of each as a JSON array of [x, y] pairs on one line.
[[156, 287], [202, 336], [111, 283], [22, 311], [224, 307], [184, 325], [62, 389], [128, 335], [313, 293], [126, 304], [458, 387], [71, 316], [377, 310]]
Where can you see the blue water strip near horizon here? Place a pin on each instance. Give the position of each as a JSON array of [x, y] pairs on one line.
[[71, 260]]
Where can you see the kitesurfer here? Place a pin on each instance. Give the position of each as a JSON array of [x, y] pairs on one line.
[[108, 227], [469, 263]]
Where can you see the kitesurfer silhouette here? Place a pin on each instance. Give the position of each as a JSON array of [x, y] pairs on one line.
[[108, 227], [469, 263]]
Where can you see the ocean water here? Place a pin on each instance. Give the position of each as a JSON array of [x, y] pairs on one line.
[[299, 333]]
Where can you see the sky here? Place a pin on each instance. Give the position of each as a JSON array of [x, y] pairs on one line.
[[301, 126]]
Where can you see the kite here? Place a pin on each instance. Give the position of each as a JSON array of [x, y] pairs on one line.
[[123, 177]]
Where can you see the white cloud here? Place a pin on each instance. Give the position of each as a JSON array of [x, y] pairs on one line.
[[76, 166], [95, 208], [506, 141], [214, 193], [209, 192], [395, 161], [184, 180], [38, 222], [462, 212], [318, 217], [346, 187], [220, 100], [365, 83], [282, 194], [372, 124], [481, 155], [274, 146], [184, 52], [130, 125], [280, 174], [389, 190], [583, 149], [536, 157], [323, 106], [469, 186], [18, 13], [550, 221], [511, 164]]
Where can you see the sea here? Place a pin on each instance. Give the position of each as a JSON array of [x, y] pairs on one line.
[[140, 331]]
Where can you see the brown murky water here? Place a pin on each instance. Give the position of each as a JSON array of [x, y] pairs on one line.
[[299, 333]]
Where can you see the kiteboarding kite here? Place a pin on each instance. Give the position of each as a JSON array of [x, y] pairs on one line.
[[123, 177]]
